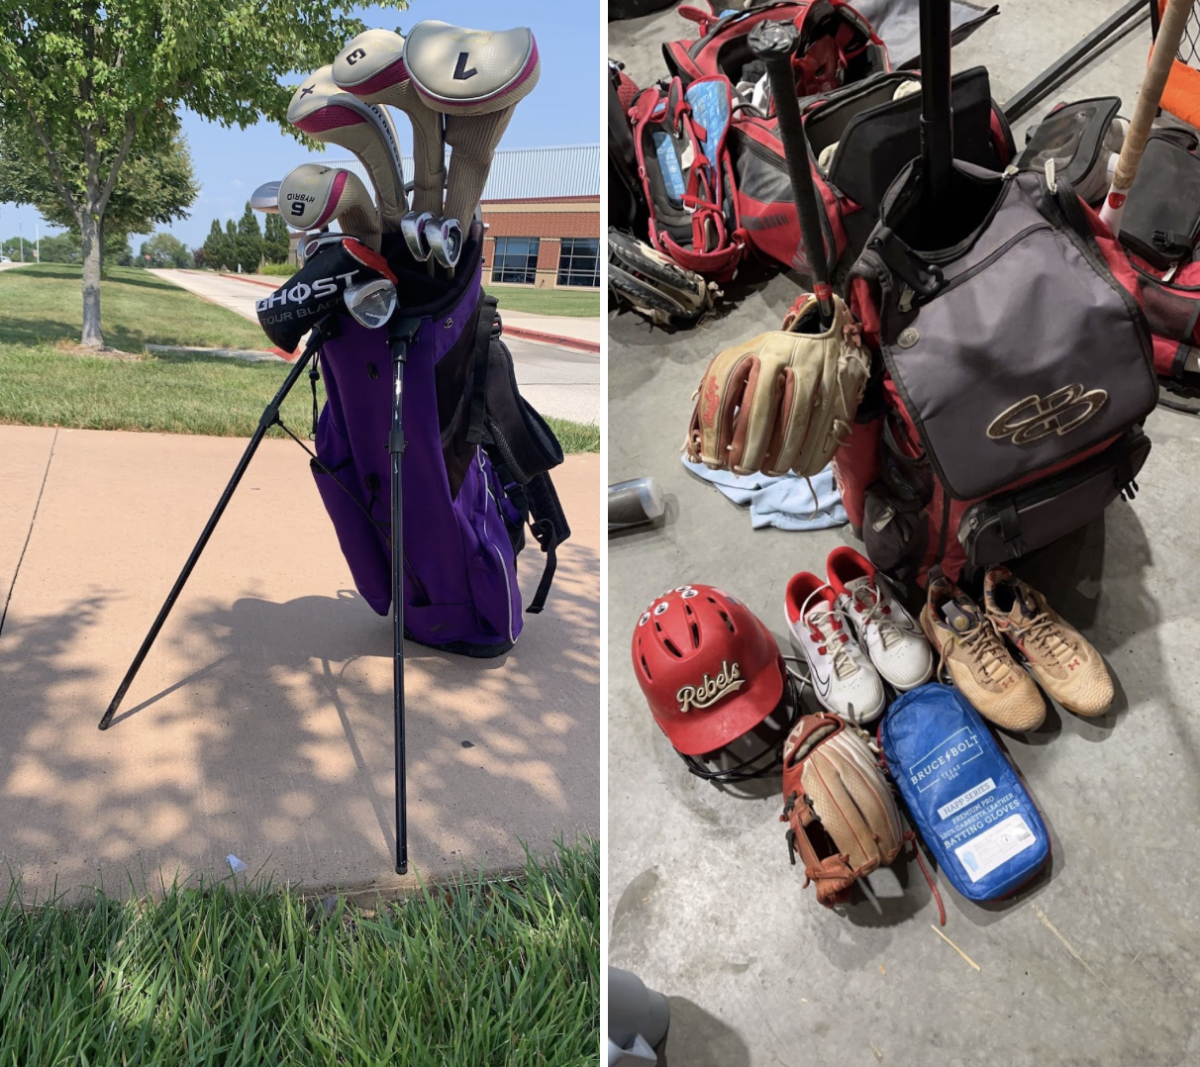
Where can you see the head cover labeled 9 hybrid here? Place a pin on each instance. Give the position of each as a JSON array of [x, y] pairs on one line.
[[371, 66], [311, 196], [317, 290], [711, 672], [476, 78], [323, 111]]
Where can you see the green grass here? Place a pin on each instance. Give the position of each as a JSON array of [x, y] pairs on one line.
[[43, 385], [464, 975], [575, 304]]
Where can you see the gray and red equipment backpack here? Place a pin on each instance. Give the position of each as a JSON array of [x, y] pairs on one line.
[[1017, 372]]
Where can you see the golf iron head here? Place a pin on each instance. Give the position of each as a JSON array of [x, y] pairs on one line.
[[372, 303], [445, 240], [413, 227]]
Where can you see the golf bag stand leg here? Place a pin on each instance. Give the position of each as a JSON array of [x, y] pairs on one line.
[[320, 333], [400, 336]]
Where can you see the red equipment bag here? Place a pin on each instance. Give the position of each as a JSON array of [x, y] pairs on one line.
[[837, 45], [1172, 309], [860, 138], [681, 139]]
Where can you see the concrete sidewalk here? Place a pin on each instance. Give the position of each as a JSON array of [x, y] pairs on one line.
[[260, 724]]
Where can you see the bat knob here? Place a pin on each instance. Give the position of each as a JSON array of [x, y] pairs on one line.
[[774, 40]]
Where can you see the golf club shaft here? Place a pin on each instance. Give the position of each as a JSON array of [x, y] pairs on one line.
[[400, 336], [269, 417], [1166, 46], [795, 147], [937, 131]]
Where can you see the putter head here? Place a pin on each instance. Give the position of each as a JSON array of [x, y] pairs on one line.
[[311, 196], [445, 239], [326, 113], [318, 290], [266, 198], [413, 226], [371, 304]]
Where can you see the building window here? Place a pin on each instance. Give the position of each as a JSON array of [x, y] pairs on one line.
[[515, 260], [579, 262]]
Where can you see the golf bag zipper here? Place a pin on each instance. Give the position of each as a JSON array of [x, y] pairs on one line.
[[503, 569]]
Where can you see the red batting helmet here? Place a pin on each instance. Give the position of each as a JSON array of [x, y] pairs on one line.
[[710, 669]]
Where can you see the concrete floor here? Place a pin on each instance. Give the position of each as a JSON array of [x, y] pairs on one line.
[[1097, 963]]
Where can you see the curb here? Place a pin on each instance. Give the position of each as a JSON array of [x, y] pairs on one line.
[[515, 331]]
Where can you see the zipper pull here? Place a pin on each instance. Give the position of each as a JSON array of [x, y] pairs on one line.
[[1051, 176], [1010, 171], [906, 299]]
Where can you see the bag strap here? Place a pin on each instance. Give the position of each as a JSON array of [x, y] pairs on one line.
[[550, 527], [489, 323]]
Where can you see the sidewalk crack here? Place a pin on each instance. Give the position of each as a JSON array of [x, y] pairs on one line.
[[29, 533]]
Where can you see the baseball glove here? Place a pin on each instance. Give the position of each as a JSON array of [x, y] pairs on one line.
[[831, 778], [653, 285], [784, 400]]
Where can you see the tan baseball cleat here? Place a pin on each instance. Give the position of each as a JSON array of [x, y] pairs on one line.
[[977, 661], [1059, 656]]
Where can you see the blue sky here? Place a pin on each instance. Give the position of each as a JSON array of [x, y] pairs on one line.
[[565, 108]]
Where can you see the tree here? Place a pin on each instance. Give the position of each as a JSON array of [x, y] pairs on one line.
[[277, 240], [200, 258], [83, 81], [62, 248], [215, 253], [117, 250], [231, 245], [165, 250], [249, 241]]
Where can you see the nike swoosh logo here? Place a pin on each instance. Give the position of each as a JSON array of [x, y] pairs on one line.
[[821, 685]]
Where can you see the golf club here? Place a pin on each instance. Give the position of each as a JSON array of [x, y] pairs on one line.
[[371, 66], [445, 240], [372, 303], [1166, 45], [320, 109], [266, 198], [476, 78], [774, 43], [412, 226], [937, 117], [313, 195]]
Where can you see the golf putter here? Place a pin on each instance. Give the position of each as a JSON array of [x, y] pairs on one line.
[[475, 78], [371, 66], [320, 109], [312, 195]]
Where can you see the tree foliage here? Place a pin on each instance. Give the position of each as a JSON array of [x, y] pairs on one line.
[[276, 240], [249, 241], [165, 250], [84, 81]]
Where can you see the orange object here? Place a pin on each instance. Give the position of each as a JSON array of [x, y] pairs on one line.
[[1181, 97]]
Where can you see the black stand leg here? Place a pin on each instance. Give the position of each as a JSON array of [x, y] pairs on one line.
[[400, 336], [269, 417]]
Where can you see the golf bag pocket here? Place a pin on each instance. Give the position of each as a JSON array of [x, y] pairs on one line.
[[359, 521], [1017, 346], [962, 794], [683, 160], [1161, 223], [1004, 527]]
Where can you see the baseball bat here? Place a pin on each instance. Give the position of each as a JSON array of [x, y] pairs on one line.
[[1166, 45], [774, 43]]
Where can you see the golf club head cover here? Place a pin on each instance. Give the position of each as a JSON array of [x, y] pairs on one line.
[[475, 78], [963, 796], [317, 290], [371, 66], [784, 400], [321, 110], [312, 195]]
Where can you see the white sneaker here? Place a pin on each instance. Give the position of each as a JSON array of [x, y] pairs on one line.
[[889, 634], [842, 676]]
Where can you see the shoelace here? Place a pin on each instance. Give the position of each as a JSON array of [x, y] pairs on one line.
[[829, 624], [984, 646], [877, 613], [1043, 633]]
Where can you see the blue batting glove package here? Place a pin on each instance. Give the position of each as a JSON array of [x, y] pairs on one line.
[[962, 794]]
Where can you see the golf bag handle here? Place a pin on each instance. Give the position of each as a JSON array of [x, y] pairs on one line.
[[774, 43]]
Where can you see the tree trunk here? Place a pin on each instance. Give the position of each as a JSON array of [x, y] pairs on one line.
[[91, 233]]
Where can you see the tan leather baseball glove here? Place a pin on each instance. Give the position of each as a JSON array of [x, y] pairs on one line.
[[783, 401], [831, 778]]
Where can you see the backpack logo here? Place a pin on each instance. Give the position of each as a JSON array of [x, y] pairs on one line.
[[710, 690], [1035, 417]]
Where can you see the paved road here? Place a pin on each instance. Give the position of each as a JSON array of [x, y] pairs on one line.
[[7, 266], [557, 381]]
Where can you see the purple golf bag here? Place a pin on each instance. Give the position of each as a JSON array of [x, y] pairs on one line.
[[474, 466]]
